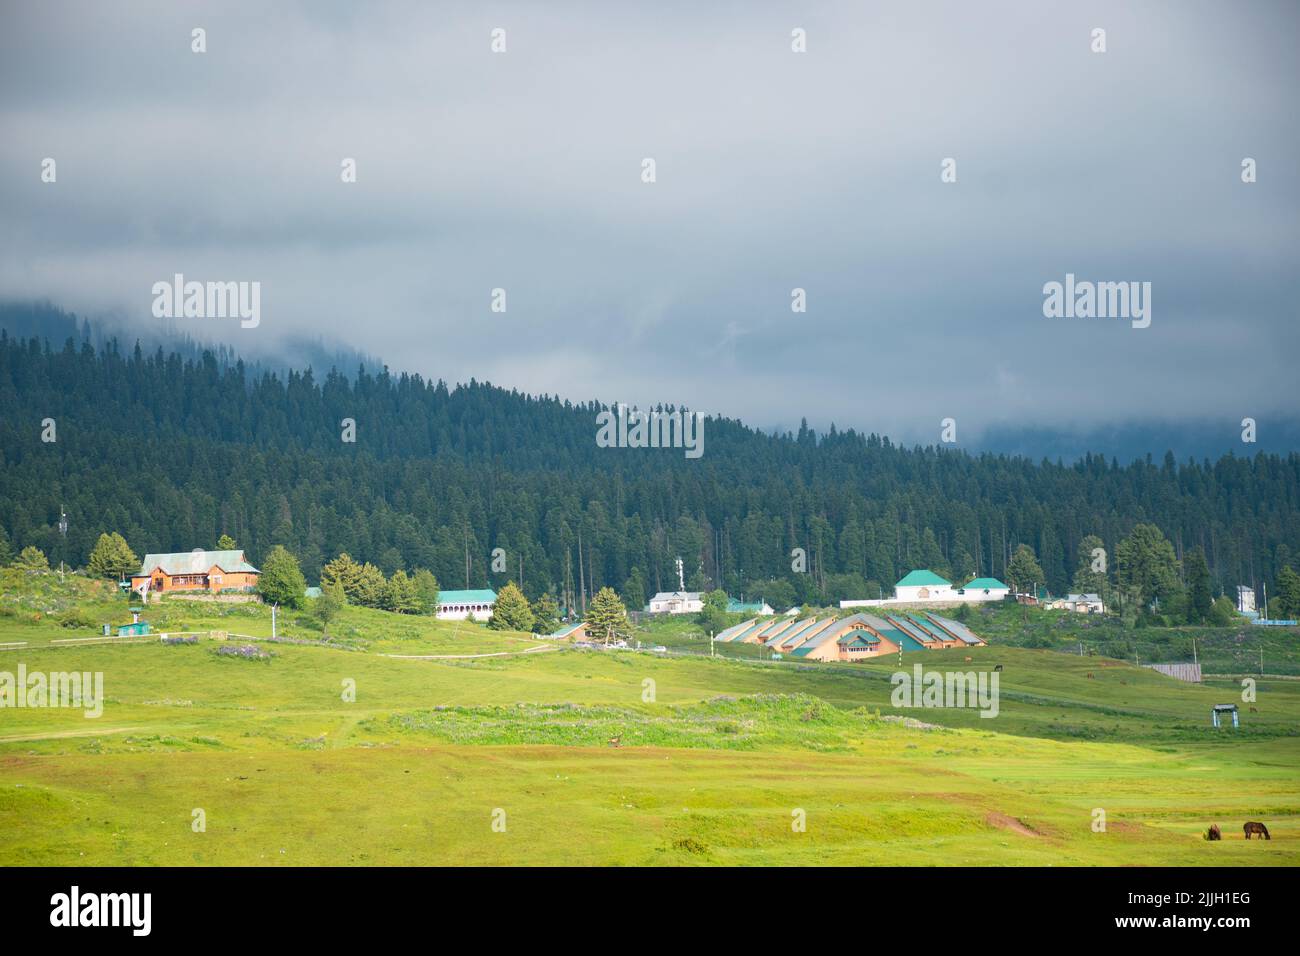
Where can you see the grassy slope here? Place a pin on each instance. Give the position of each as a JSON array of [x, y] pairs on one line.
[[287, 772]]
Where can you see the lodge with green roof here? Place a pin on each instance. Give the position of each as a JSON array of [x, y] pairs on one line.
[[198, 570], [922, 586], [475, 604]]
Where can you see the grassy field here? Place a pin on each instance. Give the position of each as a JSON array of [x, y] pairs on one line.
[[506, 759]]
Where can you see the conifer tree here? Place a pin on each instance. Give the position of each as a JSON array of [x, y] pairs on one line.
[[281, 581], [546, 615], [112, 557], [399, 594], [368, 588], [342, 571], [511, 612], [32, 558], [426, 590], [607, 617]]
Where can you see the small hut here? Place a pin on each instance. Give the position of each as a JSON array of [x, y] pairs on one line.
[[1225, 709]]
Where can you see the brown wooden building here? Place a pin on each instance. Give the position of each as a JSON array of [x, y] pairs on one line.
[[197, 570]]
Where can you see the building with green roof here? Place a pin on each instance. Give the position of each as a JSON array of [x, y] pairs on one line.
[[474, 604], [983, 589], [197, 570], [922, 585]]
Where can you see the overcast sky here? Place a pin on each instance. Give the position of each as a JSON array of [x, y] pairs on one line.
[[775, 170]]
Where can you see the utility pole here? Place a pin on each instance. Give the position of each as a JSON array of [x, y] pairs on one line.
[[582, 581], [63, 533], [273, 609]]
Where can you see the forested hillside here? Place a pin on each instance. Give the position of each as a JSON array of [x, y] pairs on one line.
[[174, 452]]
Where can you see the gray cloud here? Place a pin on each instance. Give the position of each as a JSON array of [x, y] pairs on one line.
[[775, 170]]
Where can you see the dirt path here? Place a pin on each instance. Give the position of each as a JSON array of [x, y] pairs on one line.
[[449, 657], [1004, 822], [66, 733]]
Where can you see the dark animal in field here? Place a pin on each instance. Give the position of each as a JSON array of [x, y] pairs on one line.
[[1254, 710], [1213, 833], [997, 667], [1258, 828], [1090, 677], [616, 741]]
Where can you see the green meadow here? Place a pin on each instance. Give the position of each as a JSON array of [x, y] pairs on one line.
[[404, 740]]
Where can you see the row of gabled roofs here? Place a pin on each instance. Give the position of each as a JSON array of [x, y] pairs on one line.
[[803, 637]]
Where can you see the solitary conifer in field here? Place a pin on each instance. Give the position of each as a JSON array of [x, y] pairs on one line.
[[606, 617], [281, 581], [511, 612]]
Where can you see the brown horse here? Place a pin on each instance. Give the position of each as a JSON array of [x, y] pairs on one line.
[[1213, 833], [616, 741], [1258, 828]]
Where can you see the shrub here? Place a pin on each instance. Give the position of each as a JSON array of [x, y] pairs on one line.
[[249, 652]]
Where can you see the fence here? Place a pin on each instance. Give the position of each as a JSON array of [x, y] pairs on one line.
[[1188, 672]]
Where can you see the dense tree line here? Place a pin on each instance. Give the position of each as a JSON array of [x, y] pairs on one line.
[[172, 453]]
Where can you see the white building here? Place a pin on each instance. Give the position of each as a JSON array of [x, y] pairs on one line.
[[676, 602], [1245, 598], [759, 608], [983, 589], [1081, 604], [476, 605], [926, 587]]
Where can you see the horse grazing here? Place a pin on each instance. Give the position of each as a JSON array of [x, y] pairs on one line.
[[969, 659], [1090, 677], [1259, 828], [1254, 710], [1213, 832], [997, 667], [616, 741]]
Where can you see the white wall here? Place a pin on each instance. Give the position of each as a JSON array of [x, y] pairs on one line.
[[481, 613]]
